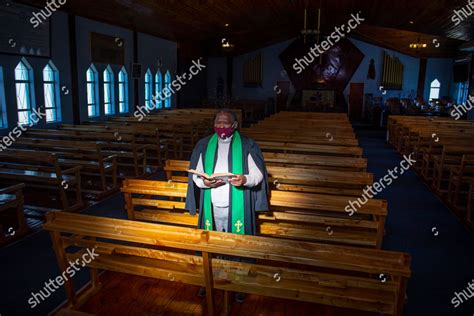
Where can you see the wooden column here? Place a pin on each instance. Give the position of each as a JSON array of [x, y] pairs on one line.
[[421, 78]]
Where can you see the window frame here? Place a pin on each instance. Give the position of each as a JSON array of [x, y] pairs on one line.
[[109, 89], [94, 90], [123, 100], [148, 89], [159, 89], [56, 99], [168, 85], [29, 94], [435, 90]]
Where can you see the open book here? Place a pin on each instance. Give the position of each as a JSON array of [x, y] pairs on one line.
[[214, 176]]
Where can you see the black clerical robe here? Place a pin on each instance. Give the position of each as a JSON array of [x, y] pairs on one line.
[[255, 199]]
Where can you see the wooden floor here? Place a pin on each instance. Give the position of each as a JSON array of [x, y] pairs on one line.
[[124, 294]]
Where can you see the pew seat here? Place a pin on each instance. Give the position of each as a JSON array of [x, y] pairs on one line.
[[326, 274], [42, 172]]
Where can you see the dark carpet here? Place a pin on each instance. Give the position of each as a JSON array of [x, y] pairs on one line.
[[441, 264]]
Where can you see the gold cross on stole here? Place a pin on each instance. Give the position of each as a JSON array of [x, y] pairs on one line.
[[238, 225]]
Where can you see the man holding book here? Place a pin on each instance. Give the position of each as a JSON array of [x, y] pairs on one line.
[[228, 180]]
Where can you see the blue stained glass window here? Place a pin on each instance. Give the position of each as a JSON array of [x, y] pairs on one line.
[[123, 90], [52, 99], [92, 92], [168, 85], [109, 104], [24, 93], [148, 89], [159, 89]]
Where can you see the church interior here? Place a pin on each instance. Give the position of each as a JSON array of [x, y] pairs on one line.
[[346, 186]]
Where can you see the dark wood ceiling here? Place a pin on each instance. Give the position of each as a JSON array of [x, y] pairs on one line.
[[257, 23]]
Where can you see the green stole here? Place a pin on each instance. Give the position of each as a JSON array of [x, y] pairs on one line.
[[236, 211]]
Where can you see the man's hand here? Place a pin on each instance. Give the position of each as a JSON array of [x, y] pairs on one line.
[[238, 180], [213, 183]]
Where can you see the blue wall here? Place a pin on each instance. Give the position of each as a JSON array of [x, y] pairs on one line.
[[83, 29], [272, 72], [441, 69], [60, 58], [217, 67], [150, 49], [410, 75]]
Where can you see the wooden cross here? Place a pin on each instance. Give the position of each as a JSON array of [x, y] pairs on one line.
[[208, 224], [238, 225]]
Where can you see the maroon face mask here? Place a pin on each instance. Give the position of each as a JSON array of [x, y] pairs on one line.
[[224, 132]]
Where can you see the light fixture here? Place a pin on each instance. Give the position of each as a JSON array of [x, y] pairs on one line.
[[227, 25], [226, 45], [411, 22], [418, 45]]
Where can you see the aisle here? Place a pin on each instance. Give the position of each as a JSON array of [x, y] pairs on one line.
[[442, 264]]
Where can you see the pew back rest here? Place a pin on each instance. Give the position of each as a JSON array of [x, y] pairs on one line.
[[297, 216], [287, 269]]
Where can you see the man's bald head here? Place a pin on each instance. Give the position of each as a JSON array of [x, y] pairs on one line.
[[225, 118]]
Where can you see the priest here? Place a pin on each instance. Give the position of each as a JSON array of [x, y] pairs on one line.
[[228, 205]]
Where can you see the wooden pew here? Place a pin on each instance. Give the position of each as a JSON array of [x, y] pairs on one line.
[[299, 216], [12, 197], [157, 148], [310, 180], [43, 172], [131, 158], [460, 179], [442, 148], [319, 180], [98, 172], [324, 139], [430, 152], [312, 161], [310, 149], [325, 274], [209, 113], [451, 155]]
